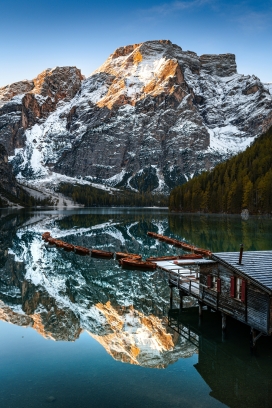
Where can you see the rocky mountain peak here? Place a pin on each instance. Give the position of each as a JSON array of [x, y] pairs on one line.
[[156, 68], [151, 117], [59, 83], [32, 101], [17, 88], [139, 70], [222, 65]]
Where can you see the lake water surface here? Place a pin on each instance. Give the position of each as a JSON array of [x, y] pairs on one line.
[[77, 331]]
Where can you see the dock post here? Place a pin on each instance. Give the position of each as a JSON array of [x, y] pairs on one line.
[[171, 297], [200, 309], [224, 327], [200, 305], [253, 339], [180, 299], [224, 322]]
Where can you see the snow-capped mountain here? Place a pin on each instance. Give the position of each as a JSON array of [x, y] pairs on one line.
[[151, 117]]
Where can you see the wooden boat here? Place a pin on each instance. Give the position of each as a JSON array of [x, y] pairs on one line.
[[190, 256], [81, 250], [51, 241], [135, 263], [120, 255], [162, 258], [180, 244], [98, 253], [186, 246], [45, 236], [202, 251], [152, 234], [160, 237], [134, 258], [171, 241], [68, 247], [59, 243]]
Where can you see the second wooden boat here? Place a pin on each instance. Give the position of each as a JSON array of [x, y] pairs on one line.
[[68, 247], [59, 243], [201, 251], [153, 234], [120, 255], [81, 250], [162, 258], [45, 236], [51, 241], [190, 256], [134, 263], [98, 253]]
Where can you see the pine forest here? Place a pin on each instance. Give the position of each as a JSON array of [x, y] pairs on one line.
[[242, 182]]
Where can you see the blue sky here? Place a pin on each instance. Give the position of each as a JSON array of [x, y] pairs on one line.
[[43, 34]]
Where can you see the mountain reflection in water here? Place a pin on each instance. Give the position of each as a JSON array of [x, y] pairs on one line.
[[60, 294]]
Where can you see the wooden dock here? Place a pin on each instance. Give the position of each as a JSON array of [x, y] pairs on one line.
[[237, 284], [185, 276]]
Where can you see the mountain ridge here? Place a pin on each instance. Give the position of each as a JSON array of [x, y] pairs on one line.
[[150, 118]]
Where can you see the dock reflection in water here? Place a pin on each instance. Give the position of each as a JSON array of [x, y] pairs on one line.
[[236, 378]]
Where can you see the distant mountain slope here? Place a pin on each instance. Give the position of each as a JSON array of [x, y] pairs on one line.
[[245, 181], [11, 193], [150, 118], [8, 185]]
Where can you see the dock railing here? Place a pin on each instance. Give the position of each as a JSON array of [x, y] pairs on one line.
[[185, 281]]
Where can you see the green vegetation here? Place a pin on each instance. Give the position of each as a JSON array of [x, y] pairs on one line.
[[244, 181], [24, 199], [94, 197]]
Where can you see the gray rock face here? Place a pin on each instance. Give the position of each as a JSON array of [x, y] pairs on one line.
[[26, 103], [151, 117], [222, 65], [7, 179], [17, 88]]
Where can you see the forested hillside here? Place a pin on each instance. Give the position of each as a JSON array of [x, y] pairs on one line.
[[23, 199], [90, 196], [244, 181]]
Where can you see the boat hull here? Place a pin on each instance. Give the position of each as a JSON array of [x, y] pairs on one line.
[[81, 250], [121, 255], [130, 263], [162, 258], [96, 253]]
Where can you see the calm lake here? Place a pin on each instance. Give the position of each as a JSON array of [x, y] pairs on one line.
[[77, 331]]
